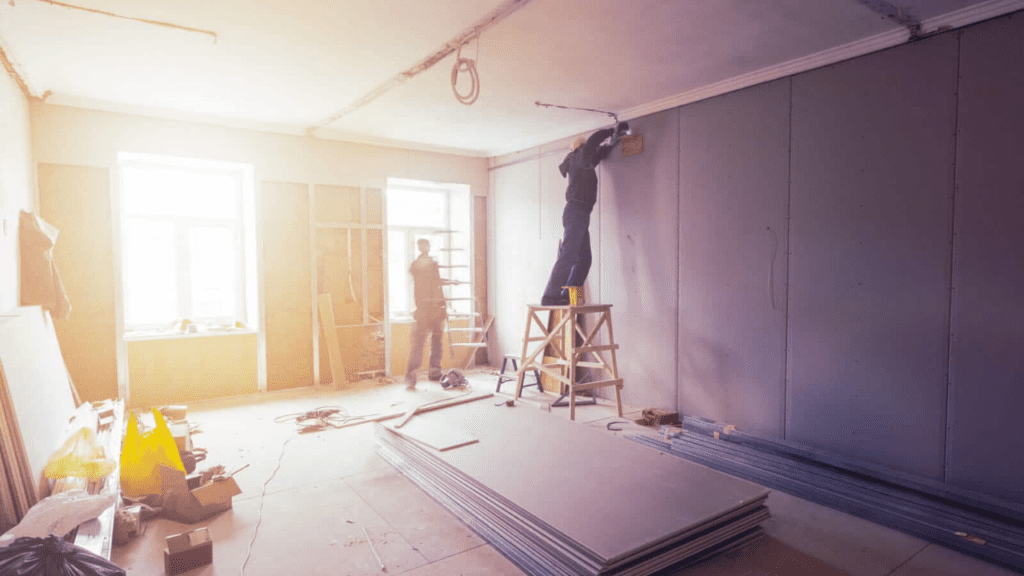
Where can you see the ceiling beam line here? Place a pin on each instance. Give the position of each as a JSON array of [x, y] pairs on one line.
[[895, 13], [493, 17], [12, 71], [132, 18]]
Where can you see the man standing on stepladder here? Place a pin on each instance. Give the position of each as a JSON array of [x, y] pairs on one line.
[[574, 257], [430, 314]]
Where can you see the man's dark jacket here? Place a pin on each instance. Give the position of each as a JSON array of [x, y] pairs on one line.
[[579, 166]]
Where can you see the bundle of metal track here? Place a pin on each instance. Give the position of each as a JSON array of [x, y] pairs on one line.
[[977, 525]]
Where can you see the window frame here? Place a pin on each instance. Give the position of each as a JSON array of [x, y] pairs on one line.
[[438, 250], [182, 226]]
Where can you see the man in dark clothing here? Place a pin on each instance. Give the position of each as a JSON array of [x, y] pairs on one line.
[[574, 257], [430, 314]]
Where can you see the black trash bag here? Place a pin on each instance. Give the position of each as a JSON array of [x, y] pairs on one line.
[[53, 556]]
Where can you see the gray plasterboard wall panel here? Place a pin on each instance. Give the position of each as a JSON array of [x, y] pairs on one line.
[[871, 211], [517, 269], [639, 237], [733, 189], [986, 431]]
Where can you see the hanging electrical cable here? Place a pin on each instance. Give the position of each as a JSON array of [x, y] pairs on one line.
[[495, 16], [612, 114], [468, 66]]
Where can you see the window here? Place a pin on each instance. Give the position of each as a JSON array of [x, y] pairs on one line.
[[185, 237], [441, 214]]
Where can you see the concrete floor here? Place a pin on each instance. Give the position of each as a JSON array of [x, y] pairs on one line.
[[307, 499]]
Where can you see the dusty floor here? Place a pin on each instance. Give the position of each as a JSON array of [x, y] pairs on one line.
[[307, 498]]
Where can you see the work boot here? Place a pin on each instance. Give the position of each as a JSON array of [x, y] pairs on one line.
[[434, 375]]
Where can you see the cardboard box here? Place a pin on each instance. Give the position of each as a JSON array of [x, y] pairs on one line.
[[189, 506], [188, 551]]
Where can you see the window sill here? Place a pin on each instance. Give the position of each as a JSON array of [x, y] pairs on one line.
[[161, 335]]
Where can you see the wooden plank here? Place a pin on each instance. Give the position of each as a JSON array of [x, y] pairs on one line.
[[331, 335], [15, 480], [406, 417], [429, 407]]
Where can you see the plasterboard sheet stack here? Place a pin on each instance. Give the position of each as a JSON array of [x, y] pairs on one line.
[[557, 497], [36, 403]]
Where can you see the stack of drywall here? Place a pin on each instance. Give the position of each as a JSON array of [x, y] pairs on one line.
[[558, 497], [36, 402]]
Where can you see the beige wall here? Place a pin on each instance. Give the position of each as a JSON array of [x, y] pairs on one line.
[[191, 368], [64, 135], [76, 200], [73, 137], [286, 285], [17, 186]]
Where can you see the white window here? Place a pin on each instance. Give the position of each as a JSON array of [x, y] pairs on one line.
[[185, 236], [441, 214]]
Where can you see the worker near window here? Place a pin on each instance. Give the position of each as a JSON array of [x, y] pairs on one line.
[[430, 314], [574, 257]]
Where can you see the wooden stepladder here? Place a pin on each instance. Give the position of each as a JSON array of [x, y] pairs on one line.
[[569, 350]]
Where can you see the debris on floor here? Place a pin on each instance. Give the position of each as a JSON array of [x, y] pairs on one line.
[[658, 417], [187, 551], [189, 505], [53, 555]]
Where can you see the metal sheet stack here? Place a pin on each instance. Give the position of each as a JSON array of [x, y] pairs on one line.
[[562, 498], [970, 522]]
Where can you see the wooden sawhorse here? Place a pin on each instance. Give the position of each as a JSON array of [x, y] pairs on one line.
[[568, 355]]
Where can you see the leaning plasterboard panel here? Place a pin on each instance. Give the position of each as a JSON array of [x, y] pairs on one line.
[[37, 381], [871, 209], [638, 238], [733, 226], [521, 261], [286, 285], [987, 314]]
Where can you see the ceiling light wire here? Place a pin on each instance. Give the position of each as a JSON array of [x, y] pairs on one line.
[[468, 66], [492, 18], [612, 114]]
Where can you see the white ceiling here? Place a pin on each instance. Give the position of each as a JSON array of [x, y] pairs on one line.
[[290, 66]]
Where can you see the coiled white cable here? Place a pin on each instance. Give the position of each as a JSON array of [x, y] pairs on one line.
[[469, 66]]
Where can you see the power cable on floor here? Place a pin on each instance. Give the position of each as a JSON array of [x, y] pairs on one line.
[[259, 518], [321, 418]]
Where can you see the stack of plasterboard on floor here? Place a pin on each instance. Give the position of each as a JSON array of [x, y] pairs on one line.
[[558, 497]]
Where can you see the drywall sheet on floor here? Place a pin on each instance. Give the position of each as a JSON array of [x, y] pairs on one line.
[[987, 324], [76, 199], [639, 239], [733, 226], [871, 210], [286, 284], [37, 381], [607, 495], [520, 266]]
